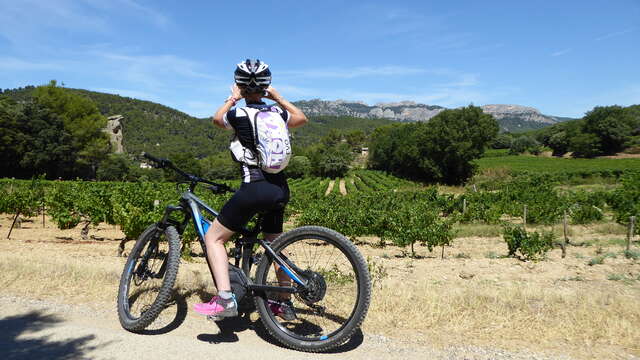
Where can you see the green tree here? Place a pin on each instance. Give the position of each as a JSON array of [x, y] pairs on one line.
[[612, 125], [13, 140], [502, 141], [299, 166], [559, 143], [355, 138], [440, 150], [82, 120], [220, 166], [333, 138], [114, 168], [585, 145], [185, 161], [332, 161]]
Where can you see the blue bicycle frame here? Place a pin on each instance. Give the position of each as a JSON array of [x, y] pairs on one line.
[[191, 206]]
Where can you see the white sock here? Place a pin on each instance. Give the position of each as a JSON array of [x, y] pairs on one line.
[[225, 294]]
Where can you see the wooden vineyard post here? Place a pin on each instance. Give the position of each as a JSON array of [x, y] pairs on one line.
[[475, 189], [13, 224], [632, 225], [464, 206], [524, 218], [565, 228]]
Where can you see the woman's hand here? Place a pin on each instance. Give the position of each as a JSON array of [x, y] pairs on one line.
[[296, 117], [273, 94], [235, 92]]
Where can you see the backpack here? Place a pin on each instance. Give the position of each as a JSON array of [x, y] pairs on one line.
[[271, 150]]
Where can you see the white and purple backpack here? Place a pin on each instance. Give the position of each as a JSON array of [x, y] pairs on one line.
[[271, 140]]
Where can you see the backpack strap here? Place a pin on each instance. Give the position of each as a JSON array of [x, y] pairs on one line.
[[255, 131]]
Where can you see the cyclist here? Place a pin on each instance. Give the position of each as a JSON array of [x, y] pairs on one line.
[[259, 192]]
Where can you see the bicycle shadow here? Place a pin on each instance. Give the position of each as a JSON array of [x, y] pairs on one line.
[[174, 313], [230, 326]]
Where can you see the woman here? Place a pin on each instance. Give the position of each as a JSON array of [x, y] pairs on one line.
[[260, 191]]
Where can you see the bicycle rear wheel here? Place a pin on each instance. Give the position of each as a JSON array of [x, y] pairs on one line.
[[148, 277], [337, 299]]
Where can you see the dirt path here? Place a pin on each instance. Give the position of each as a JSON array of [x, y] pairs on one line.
[[343, 187], [330, 187], [42, 329]]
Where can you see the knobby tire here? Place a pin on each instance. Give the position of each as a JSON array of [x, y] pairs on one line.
[[363, 283], [138, 323]]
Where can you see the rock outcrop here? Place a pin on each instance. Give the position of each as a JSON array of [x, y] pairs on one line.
[[523, 112], [399, 111], [114, 130]]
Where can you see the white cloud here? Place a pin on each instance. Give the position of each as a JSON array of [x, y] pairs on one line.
[[350, 73], [446, 87], [30, 21], [201, 109], [614, 34], [561, 52], [131, 7], [159, 63], [136, 94], [151, 72], [15, 64]]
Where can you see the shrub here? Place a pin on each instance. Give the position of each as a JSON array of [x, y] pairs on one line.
[[525, 144], [632, 254], [530, 246]]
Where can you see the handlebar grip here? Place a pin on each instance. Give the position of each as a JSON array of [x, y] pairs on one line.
[[160, 162]]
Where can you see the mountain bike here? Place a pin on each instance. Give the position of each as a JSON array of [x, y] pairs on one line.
[[327, 279]]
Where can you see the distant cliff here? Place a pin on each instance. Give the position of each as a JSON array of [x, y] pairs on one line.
[[512, 118]]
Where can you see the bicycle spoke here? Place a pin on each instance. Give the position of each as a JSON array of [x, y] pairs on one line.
[[334, 309]]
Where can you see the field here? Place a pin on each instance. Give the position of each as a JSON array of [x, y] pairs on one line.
[[557, 166], [474, 295]]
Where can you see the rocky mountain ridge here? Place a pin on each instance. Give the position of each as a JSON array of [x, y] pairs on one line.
[[512, 118]]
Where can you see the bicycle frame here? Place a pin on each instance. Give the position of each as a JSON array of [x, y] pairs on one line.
[[192, 206]]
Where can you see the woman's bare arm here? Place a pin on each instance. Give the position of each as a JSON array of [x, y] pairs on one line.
[[218, 118], [296, 116]]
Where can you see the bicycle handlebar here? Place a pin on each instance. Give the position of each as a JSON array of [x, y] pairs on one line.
[[193, 179]]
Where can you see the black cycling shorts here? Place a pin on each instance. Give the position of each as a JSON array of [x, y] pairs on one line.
[[256, 197]]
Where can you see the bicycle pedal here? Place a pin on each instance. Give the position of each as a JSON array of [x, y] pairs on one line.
[[214, 318]]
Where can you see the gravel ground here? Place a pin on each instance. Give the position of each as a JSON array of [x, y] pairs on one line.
[[31, 328]]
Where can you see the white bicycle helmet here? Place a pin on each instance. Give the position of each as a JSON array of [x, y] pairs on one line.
[[253, 76]]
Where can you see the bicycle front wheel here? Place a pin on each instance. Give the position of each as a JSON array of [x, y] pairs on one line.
[[148, 277], [335, 301]]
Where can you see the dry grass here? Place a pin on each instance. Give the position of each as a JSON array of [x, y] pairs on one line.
[[557, 305], [509, 314], [478, 230], [609, 229]]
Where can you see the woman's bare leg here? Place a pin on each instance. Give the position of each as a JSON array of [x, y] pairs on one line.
[[214, 239], [283, 278]]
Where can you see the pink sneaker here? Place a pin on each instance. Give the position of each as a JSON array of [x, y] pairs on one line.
[[218, 307], [283, 309]]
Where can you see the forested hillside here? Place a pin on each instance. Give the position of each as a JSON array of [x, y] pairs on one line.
[[28, 118], [155, 128], [150, 127]]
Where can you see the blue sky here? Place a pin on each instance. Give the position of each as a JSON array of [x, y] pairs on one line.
[[562, 57]]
